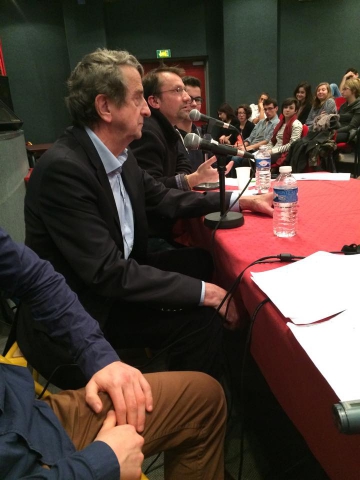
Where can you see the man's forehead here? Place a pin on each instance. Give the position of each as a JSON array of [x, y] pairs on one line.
[[170, 78]]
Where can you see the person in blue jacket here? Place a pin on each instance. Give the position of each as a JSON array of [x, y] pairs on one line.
[[92, 433]]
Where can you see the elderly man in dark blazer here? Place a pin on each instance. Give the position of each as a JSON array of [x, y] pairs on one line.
[[86, 212]]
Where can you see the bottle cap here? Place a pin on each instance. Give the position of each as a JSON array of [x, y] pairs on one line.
[[285, 169]]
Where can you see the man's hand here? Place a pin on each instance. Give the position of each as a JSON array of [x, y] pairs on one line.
[[206, 173], [125, 443], [213, 297], [128, 389], [258, 203]]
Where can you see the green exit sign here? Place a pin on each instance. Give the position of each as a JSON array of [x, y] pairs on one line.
[[163, 53]]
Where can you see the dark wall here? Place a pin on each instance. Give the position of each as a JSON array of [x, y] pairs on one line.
[[250, 49], [36, 59], [251, 45], [189, 29], [319, 41]]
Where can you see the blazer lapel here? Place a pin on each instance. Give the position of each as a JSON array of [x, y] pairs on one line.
[[95, 160]]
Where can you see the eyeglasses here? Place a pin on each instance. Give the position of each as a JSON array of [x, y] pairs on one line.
[[178, 90], [197, 100], [268, 108]]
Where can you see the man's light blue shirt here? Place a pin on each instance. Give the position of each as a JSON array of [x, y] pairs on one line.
[[263, 130], [113, 168]]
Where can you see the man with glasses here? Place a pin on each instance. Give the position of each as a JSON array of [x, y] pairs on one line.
[[263, 131], [185, 126], [157, 151]]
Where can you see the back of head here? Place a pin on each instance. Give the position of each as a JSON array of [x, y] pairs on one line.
[[97, 73], [352, 70], [152, 80], [191, 81]]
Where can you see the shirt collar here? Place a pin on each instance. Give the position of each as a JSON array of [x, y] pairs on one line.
[[110, 162]]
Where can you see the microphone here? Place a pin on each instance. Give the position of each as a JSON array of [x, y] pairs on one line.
[[194, 142], [196, 116]]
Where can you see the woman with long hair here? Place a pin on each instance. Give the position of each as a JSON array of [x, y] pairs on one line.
[[226, 114], [323, 103], [303, 95], [287, 131]]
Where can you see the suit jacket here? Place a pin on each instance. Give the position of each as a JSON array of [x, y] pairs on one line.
[[72, 221], [157, 151]]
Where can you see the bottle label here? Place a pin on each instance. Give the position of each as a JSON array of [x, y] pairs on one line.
[[285, 195], [262, 162]]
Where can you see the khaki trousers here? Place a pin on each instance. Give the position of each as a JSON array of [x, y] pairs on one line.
[[187, 423]]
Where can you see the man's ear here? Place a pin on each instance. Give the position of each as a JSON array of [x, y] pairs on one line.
[[153, 101], [102, 107]]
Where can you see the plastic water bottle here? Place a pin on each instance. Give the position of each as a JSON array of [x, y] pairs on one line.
[[263, 165], [285, 204]]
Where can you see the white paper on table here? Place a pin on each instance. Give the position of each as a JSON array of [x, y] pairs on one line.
[[232, 182], [321, 285], [333, 347], [322, 176]]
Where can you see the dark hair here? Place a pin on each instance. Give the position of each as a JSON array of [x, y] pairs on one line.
[[352, 70], [228, 110], [308, 95], [98, 72], [270, 101], [247, 109], [152, 83], [191, 81], [289, 101]]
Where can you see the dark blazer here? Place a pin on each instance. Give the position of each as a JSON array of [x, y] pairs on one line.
[[72, 221], [158, 152]]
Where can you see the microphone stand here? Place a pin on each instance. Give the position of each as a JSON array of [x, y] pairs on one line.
[[230, 219]]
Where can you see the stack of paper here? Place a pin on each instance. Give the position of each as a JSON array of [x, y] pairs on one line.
[[320, 286]]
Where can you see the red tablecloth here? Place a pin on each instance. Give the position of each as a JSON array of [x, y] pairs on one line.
[[329, 217]]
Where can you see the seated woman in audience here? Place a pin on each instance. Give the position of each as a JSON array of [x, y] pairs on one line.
[[243, 113], [227, 115], [349, 111], [303, 95], [286, 132], [323, 103]]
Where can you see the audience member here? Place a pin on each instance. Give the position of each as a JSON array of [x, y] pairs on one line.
[[243, 113], [227, 115], [91, 433], [350, 73], [85, 211], [157, 151], [323, 103], [262, 132], [185, 125], [349, 111], [303, 95], [287, 131], [258, 112]]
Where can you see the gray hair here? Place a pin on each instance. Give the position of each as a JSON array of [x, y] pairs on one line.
[[98, 73]]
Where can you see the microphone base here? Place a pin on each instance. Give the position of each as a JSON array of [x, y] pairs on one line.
[[231, 220]]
